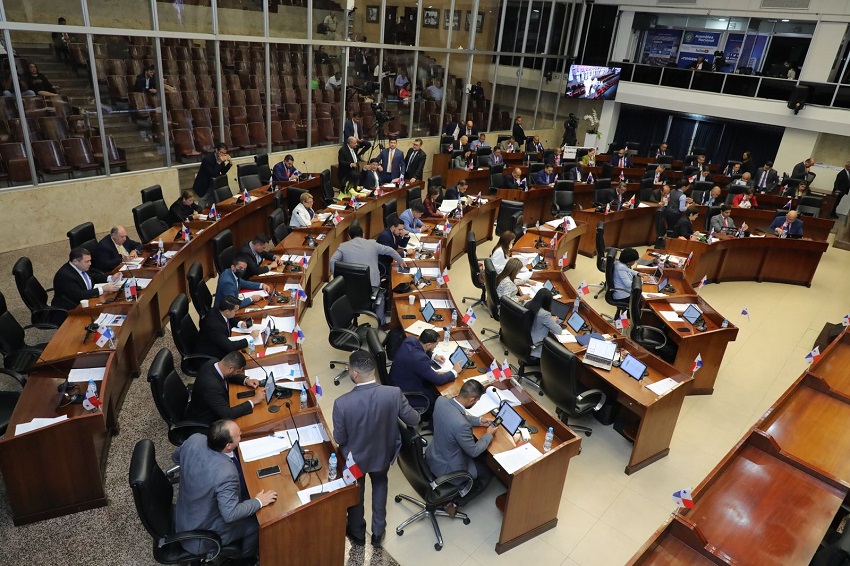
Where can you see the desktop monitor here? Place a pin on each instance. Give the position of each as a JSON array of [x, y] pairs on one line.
[[576, 322], [599, 83], [691, 314], [511, 420], [295, 461], [632, 366], [428, 311], [561, 310]]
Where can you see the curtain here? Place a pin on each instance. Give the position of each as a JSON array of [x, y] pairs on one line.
[[679, 138], [762, 140], [640, 125], [708, 136]]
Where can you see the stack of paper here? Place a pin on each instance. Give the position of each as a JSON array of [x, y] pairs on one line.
[[284, 324], [304, 494], [418, 327], [248, 294], [336, 206], [519, 457], [263, 447], [437, 303], [448, 205], [83, 375], [311, 434], [271, 350], [492, 400], [261, 326], [37, 423], [663, 386], [430, 271], [431, 247], [671, 316]]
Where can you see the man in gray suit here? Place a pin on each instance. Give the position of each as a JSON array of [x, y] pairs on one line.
[[365, 252], [212, 493], [366, 424], [454, 447]]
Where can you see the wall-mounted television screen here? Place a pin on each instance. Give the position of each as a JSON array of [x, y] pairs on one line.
[[593, 82]]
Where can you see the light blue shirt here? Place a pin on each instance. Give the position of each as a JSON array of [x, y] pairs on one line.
[[411, 224], [623, 276]]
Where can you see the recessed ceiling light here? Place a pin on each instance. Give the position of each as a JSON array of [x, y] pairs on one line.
[[786, 20], [722, 19]]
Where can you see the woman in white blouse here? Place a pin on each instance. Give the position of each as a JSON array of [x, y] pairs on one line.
[[302, 214], [505, 286], [500, 254]]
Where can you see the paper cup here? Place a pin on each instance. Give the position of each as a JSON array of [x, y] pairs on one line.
[[411, 299], [84, 303]]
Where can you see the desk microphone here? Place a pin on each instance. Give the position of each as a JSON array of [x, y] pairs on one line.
[[62, 388], [310, 464], [91, 328], [438, 317]]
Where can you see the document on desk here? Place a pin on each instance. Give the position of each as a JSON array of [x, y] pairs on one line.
[[565, 337], [525, 258], [559, 222], [304, 494], [431, 247], [37, 423], [312, 434], [261, 326], [413, 240], [263, 447], [448, 205], [336, 206], [284, 324], [418, 327], [282, 371], [663, 386], [671, 316], [491, 400], [83, 375], [519, 457], [437, 303], [642, 205], [248, 294], [430, 271], [680, 308], [106, 319], [646, 295], [271, 350]]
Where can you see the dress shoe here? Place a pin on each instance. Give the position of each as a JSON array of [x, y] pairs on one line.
[[451, 509], [359, 541], [378, 539]]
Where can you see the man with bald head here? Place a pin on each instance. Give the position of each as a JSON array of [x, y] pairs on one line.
[[789, 225], [347, 162], [115, 248]]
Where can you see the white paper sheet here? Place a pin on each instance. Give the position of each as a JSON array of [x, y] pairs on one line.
[[263, 447], [448, 205], [284, 324], [437, 303], [37, 423], [671, 316], [682, 307], [566, 338], [259, 293], [652, 295], [663, 386], [311, 434], [430, 271], [558, 222], [83, 375], [418, 327], [327, 487], [490, 400], [276, 350], [519, 457]]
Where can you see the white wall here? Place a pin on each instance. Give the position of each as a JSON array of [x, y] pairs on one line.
[[822, 51], [796, 146]]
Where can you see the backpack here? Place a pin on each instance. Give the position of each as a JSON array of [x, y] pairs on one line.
[[321, 28]]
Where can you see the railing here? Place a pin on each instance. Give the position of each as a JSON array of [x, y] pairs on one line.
[[830, 95]]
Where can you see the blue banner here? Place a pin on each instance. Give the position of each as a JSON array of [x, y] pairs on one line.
[[661, 47], [698, 43]]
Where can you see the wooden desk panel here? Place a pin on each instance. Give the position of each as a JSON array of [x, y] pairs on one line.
[[567, 244], [478, 179], [622, 229], [833, 364], [814, 228], [676, 544], [537, 203]]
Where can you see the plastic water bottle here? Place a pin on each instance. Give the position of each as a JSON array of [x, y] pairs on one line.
[[251, 345], [454, 318], [547, 442], [303, 398], [128, 293], [447, 336], [332, 467], [161, 249]]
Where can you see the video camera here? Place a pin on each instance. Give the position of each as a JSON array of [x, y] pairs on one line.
[[381, 115]]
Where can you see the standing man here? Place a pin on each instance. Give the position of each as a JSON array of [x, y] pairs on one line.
[[391, 162], [353, 128], [347, 163], [210, 400], [454, 447], [73, 282], [414, 372], [366, 425], [213, 494], [747, 165], [331, 23], [840, 187], [212, 165], [393, 236], [232, 280], [414, 161], [801, 170], [255, 252], [115, 248], [518, 132]]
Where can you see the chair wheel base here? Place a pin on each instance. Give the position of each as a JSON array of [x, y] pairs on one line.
[[397, 499], [333, 366], [399, 532], [466, 521], [438, 546]]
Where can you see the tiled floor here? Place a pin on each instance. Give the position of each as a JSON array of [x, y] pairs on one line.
[[606, 515]]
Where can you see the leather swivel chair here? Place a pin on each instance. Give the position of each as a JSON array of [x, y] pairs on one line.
[[417, 400], [293, 198], [223, 250], [148, 225], [412, 194], [186, 337], [221, 188], [278, 228], [9, 399], [264, 172], [559, 380], [153, 195], [327, 188], [248, 176], [474, 269], [652, 339], [712, 212], [83, 236], [610, 289], [18, 356], [809, 205], [388, 208], [198, 290], [171, 397], [35, 297], [359, 285], [491, 298], [600, 255], [563, 199], [436, 492], [515, 323], [510, 218]]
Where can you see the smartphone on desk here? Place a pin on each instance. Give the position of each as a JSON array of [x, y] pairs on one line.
[[244, 394], [266, 472]]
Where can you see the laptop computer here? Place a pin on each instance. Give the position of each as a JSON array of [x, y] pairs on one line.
[[561, 310], [600, 353], [655, 277]]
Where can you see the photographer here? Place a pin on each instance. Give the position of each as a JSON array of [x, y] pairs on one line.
[[570, 125]]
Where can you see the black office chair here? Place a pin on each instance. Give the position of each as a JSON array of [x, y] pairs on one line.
[[732, 191], [559, 381], [389, 207], [515, 323], [148, 225], [293, 198], [497, 181], [359, 287], [834, 550], [223, 250], [153, 195], [435, 181], [278, 228], [35, 297], [171, 397], [198, 290], [712, 212], [610, 289], [417, 400], [601, 197], [264, 172], [83, 236], [535, 167], [436, 492], [153, 495], [600, 256], [18, 356], [185, 335], [327, 188], [549, 156], [652, 339], [222, 193], [563, 199], [809, 205], [247, 176], [497, 169], [491, 298], [510, 218], [9, 398], [474, 270], [412, 194], [602, 183]]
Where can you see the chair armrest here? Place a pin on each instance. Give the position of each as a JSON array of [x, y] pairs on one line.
[[344, 332], [195, 361], [415, 394], [193, 535], [173, 474], [450, 478], [14, 375], [369, 314], [659, 332], [184, 424], [590, 392]]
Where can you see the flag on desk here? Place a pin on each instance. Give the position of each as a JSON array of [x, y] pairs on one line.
[[589, 178], [622, 176], [813, 356], [317, 389], [103, 336], [846, 320], [495, 369], [506, 369], [564, 260], [469, 318], [682, 498], [297, 334], [213, 215], [438, 248], [443, 277], [92, 401], [300, 294], [353, 202], [583, 289], [608, 208], [565, 225], [787, 204], [746, 313], [688, 260], [632, 201], [448, 227], [185, 234], [352, 472], [711, 235], [697, 363], [303, 261], [702, 282], [401, 181], [246, 196], [478, 198], [132, 288], [692, 178], [622, 321], [336, 218], [459, 214], [553, 243], [379, 191]]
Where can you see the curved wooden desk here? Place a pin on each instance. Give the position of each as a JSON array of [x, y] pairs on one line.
[[635, 227]]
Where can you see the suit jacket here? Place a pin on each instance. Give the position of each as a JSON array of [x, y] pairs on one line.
[[210, 401], [106, 256], [748, 167], [472, 134], [543, 178], [414, 163], [412, 371], [254, 267], [717, 222], [655, 195], [519, 134], [708, 200], [387, 238], [282, 173], [494, 159], [214, 336], [576, 175], [450, 128], [770, 181], [454, 447], [345, 159], [453, 194], [615, 161], [370, 179], [796, 226], [392, 170], [799, 171], [842, 181], [300, 216], [365, 252], [411, 224], [351, 128], [210, 495], [69, 287], [530, 146], [366, 424], [178, 212], [683, 227], [662, 178], [229, 284], [512, 183], [142, 84], [210, 168]]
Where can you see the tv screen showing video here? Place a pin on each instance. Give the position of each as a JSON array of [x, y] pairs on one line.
[[599, 83]]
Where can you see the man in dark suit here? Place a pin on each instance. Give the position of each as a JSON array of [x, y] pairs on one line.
[[232, 280], [840, 187], [184, 208], [533, 145], [766, 179], [747, 165], [452, 130], [285, 170], [255, 252], [454, 448], [518, 132], [393, 236], [115, 248], [414, 372], [660, 194], [366, 426], [73, 282], [213, 495], [210, 401], [545, 176], [789, 225], [212, 165], [460, 144], [659, 177], [622, 160], [369, 178], [513, 181], [347, 159], [620, 202], [470, 131], [414, 161], [353, 129], [214, 332], [495, 158], [146, 82], [391, 162], [455, 192], [577, 174], [801, 170]]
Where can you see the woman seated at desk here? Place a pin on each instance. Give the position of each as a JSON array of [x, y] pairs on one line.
[[800, 190], [502, 251], [505, 286], [684, 228], [302, 214], [430, 203], [747, 199], [544, 321]]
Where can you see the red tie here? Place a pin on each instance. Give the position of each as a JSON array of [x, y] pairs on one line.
[[724, 222]]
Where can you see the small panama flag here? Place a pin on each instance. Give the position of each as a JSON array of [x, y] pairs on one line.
[[297, 334], [495, 369], [352, 472], [443, 277], [632, 201], [787, 204], [589, 178], [622, 176], [697, 363], [337, 218], [688, 260], [746, 313], [459, 210], [103, 336], [692, 178], [92, 401], [608, 208], [246, 196], [213, 215], [303, 261], [132, 288], [317, 388], [185, 234], [401, 181], [469, 318], [478, 198], [813, 356], [711, 235], [846, 320], [448, 227], [300, 294], [622, 321], [564, 260], [379, 191], [553, 243], [702, 282], [583, 289], [683, 498], [506, 369], [353, 202], [438, 248]]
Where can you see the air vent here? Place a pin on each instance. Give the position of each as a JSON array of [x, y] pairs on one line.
[[677, 2], [785, 4]]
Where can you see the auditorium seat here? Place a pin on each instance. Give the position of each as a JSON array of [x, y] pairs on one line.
[[80, 155], [49, 159], [241, 137], [117, 157], [204, 141]]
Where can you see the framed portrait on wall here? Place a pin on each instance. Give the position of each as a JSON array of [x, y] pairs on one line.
[[372, 14], [479, 22], [455, 19], [431, 18]]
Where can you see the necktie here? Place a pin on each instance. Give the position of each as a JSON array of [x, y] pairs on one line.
[[390, 164], [258, 258], [763, 177], [622, 162], [87, 280], [242, 487], [725, 222]]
